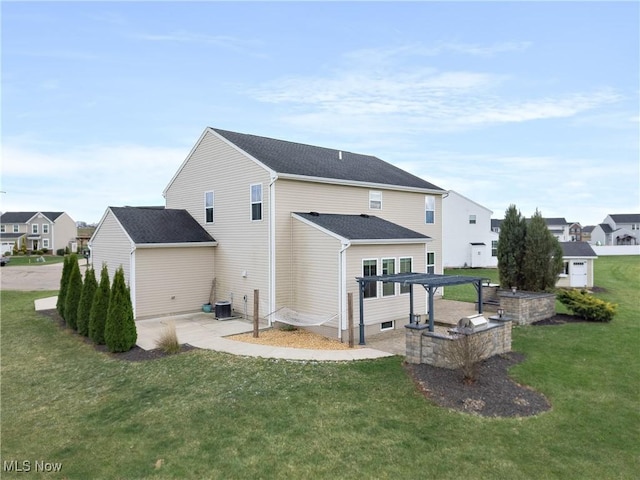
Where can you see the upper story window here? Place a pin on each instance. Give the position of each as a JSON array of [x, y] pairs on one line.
[[375, 200], [34, 228], [256, 202], [45, 228], [430, 209], [2, 229], [208, 207], [472, 219], [16, 228]]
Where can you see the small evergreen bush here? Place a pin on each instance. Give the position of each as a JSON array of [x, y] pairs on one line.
[[120, 329], [585, 305], [99, 308], [64, 280], [72, 296], [89, 288]]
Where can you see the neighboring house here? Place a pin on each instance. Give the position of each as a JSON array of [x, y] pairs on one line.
[[578, 265], [167, 257], [83, 237], [586, 233], [468, 239], [559, 227], [37, 231], [296, 222], [617, 229], [575, 232]]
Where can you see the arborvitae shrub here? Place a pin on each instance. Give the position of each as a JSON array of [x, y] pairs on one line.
[[99, 308], [89, 288], [120, 330], [585, 305], [64, 280], [74, 291]]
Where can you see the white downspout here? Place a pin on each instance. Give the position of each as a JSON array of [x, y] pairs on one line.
[[342, 259], [272, 245], [132, 279]]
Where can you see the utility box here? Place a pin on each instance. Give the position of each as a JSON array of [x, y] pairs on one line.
[[223, 309]]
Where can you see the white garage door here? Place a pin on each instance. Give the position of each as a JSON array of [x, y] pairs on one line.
[[6, 247], [578, 274]]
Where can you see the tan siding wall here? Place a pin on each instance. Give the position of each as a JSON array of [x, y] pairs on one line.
[[383, 309], [316, 279], [243, 245], [65, 231], [111, 245], [172, 280], [403, 208]]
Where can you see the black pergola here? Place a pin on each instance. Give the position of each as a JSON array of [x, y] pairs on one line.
[[430, 282]]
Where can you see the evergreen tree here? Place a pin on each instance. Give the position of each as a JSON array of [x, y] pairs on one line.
[[99, 308], [74, 291], [62, 292], [511, 248], [89, 288], [120, 330], [543, 256]]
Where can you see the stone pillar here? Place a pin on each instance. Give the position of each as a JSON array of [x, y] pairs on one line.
[[413, 342]]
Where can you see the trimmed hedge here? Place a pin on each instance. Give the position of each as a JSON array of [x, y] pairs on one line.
[[585, 305]]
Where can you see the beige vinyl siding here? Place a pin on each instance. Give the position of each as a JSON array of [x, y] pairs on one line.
[[111, 245], [316, 281], [62, 232], [243, 245], [172, 280], [403, 208], [383, 309]]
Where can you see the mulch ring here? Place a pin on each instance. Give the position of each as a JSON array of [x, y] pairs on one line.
[[136, 354], [493, 394]]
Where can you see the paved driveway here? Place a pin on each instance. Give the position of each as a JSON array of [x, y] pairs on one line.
[[31, 277]]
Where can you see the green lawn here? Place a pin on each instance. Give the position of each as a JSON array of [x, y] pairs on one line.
[[33, 260], [210, 415]]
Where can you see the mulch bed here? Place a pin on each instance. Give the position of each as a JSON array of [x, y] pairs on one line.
[[136, 354], [493, 394], [559, 319]]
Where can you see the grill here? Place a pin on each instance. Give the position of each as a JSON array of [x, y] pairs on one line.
[[472, 323]]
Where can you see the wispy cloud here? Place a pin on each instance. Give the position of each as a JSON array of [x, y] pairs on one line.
[[186, 37]]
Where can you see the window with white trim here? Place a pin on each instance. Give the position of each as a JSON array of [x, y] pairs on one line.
[[375, 200], [2, 229], [472, 219], [370, 268], [45, 243], [431, 262], [386, 326], [45, 228], [405, 267], [16, 228], [388, 268], [208, 207], [429, 209], [256, 202], [34, 228], [494, 248]]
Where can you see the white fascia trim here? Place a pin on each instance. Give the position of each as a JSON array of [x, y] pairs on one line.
[[579, 258], [322, 229], [176, 245], [391, 241], [184, 162], [355, 183], [272, 173], [131, 242], [469, 200]]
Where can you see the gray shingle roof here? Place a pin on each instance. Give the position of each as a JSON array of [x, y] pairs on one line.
[[606, 228], [626, 218], [24, 217], [362, 227], [310, 161], [577, 249], [159, 225]]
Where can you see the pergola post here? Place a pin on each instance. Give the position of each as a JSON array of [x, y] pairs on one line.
[[478, 286], [411, 303], [361, 284], [430, 290]]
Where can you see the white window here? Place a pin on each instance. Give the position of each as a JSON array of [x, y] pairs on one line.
[[388, 268], [45, 228], [370, 268], [34, 228], [375, 200], [208, 207], [16, 228], [405, 267], [45, 242], [256, 202], [472, 219], [494, 248], [430, 209], [386, 326], [431, 262]]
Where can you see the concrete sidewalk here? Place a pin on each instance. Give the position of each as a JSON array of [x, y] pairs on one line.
[[202, 330]]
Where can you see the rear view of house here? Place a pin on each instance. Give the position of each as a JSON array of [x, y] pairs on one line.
[[298, 223]]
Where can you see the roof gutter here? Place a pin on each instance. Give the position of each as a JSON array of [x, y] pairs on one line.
[[356, 183], [175, 245]]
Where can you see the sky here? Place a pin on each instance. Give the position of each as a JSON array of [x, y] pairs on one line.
[[535, 104]]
